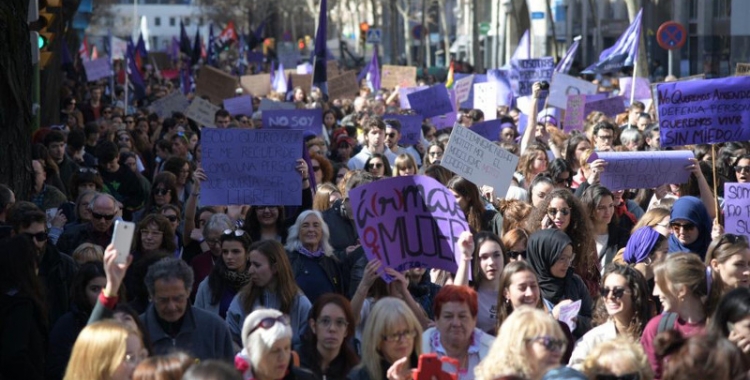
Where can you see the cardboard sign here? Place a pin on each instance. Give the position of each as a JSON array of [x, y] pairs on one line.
[[202, 112], [268, 104], [403, 76], [251, 167], [343, 86], [485, 99], [737, 208], [239, 105], [411, 128], [174, 102], [563, 85], [742, 69], [575, 113], [332, 69], [161, 59], [707, 111], [215, 84], [463, 88], [97, 69], [643, 170], [479, 160], [301, 80], [533, 70], [488, 129], [433, 101], [258, 85], [408, 222], [309, 120]]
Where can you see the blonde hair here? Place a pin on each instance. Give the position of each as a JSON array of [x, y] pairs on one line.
[[88, 252], [387, 312], [509, 353], [99, 349], [652, 218], [621, 350], [406, 160]]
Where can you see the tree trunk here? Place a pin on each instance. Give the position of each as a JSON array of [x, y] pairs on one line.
[[15, 98], [404, 12], [446, 32]]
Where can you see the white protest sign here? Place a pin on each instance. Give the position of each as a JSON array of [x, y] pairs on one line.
[[463, 88], [97, 69], [479, 160], [485, 99], [202, 112], [174, 102], [564, 85]]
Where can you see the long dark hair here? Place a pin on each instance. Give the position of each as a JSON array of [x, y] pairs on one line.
[[476, 270], [733, 307], [253, 227], [347, 357], [640, 296], [286, 288], [18, 265], [217, 283], [475, 205], [591, 198], [86, 273]]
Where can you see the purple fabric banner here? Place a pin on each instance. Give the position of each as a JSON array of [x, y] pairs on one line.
[[449, 119], [240, 105], [309, 120], [642, 87], [706, 111], [434, 101], [251, 167], [488, 129], [643, 170], [737, 208], [623, 53], [404, 92], [408, 222], [411, 128]]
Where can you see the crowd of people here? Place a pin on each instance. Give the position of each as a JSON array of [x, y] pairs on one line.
[[560, 278]]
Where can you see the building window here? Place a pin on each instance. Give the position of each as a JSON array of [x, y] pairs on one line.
[[187, 21], [157, 21], [172, 21]]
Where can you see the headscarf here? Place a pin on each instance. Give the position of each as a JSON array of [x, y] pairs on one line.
[[640, 245], [691, 209], [542, 251]]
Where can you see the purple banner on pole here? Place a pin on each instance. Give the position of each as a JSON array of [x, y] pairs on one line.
[[737, 208], [488, 129], [404, 92], [251, 167], [240, 105], [704, 111], [643, 170], [309, 120], [434, 101], [411, 128], [408, 222], [97, 69]]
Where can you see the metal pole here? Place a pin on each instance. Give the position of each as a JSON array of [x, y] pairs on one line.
[[670, 59]]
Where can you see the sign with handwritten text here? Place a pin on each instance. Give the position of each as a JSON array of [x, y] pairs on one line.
[[563, 85], [430, 102], [97, 69], [643, 170], [737, 208], [411, 128], [310, 120], [534, 70], [174, 102], [202, 112]]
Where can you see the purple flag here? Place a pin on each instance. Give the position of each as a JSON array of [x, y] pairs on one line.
[[371, 72], [139, 88], [523, 50], [195, 55], [184, 41], [567, 61], [140, 47], [66, 57], [211, 52], [320, 61], [624, 52], [643, 170], [174, 49], [409, 222]]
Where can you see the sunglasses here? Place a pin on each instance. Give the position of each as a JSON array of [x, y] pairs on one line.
[[161, 191], [550, 343], [685, 226], [553, 211], [236, 233], [88, 170], [316, 168], [39, 236], [98, 216], [742, 169], [391, 135], [515, 254], [617, 292], [267, 323], [627, 376], [375, 166], [172, 218]]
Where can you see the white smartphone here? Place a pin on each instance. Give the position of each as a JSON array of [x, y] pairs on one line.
[[122, 238]]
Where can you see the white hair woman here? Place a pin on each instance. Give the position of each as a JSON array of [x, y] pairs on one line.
[[267, 348]]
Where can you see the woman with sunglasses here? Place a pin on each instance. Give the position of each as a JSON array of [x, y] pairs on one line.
[[729, 259], [550, 254], [690, 225], [271, 286], [326, 347], [163, 191], [625, 298], [229, 275], [267, 348], [561, 173], [608, 235], [742, 169], [515, 240], [379, 166], [322, 168], [434, 154], [173, 213], [529, 344]]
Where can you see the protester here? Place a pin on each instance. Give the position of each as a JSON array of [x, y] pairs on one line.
[[691, 227], [609, 236], [731, 319], [105, 350], [699, 357], [729, 260], [618, 358]]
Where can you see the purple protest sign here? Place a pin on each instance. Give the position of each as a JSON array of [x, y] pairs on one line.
[[449, 119], [534, 70], [434, 101], [463, 88], [643, 170], [574, 113], [97, 69], [642, 87], [408, 222], [737, 208], [706, 111], [611, 106], [403, 93], [411, 128], [310, 120], [488, 129], [251, 167], [240, 105]]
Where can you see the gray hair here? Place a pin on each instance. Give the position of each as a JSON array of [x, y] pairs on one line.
[[294, 244], [630, 135], [217, 222], [259, 342], [168, 268]]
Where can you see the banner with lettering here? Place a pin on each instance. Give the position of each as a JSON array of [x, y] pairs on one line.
[[737, 208], [643, 170]]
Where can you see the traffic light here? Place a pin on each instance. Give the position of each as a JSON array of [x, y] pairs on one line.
[[363, 28], [41, 20], [301, 44]]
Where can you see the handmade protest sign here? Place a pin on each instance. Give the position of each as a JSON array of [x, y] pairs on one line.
[[268, 104], [97, 69], [488, 129], [239, 105], [309, 120], [300, 80], [403, 76], [174, 102], [408, 222], [305, 68], [479, 160], [564, 85], [404, 92], [533, 70], [411, 128], [343, 86], [258, 85], [706, 111], [449, 119], [485, 99], [737, 208], [215, 84], [575, 113], [202, 112], [463, 88], [610, 106], [643, 170], [742, 69], [430, 102], [642, 87], [251, 167], [502, 78]]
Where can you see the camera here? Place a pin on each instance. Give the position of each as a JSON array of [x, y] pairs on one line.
[[544, 85]]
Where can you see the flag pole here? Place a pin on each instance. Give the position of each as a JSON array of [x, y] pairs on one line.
[[635, 66], [716, 194]]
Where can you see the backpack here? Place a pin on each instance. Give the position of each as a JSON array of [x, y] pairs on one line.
[[667, 322]]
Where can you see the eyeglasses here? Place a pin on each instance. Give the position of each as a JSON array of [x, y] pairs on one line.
[[88, 170], [550, 343], [267, 323], [212, 241], [161, 191], [316, 168], [145, 232], [568, 261], [237, 233], [376, 165], [515, 254], [391, 135], [553, 211], [95, 215], [627, 376], [340, 323], [617, 292], [677, 226], [171, 218], [742, 169], [39, 236], [398, 336]]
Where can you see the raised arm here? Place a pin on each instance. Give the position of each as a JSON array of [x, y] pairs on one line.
[[190, 206]]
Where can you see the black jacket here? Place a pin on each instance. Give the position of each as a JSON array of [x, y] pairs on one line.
[[23, 336], [56, 271], [76, 235], [330, 265], [61, 340]]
